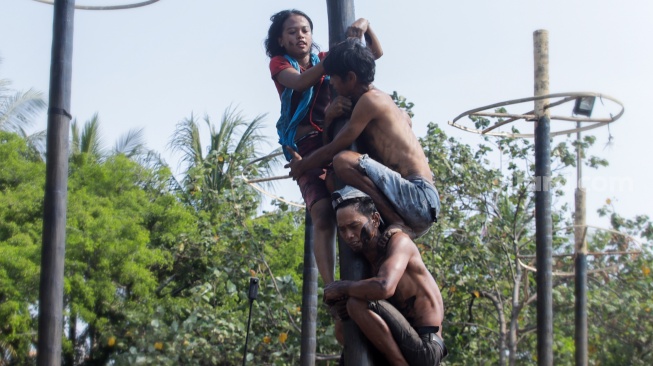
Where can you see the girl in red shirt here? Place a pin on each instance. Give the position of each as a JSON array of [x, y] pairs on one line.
[[299, 77]]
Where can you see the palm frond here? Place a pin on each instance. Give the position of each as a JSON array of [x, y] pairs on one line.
[[75, 144], [131, 144], [186, 140], [91, 138], [37, 142], [18, 111], [150, 159]]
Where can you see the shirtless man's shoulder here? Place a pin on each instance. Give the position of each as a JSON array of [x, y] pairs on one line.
[[389, 136]]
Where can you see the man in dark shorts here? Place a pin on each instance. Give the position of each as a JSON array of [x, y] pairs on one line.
[[399, 309]]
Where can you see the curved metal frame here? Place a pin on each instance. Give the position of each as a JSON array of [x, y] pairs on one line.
[[631, 239], [109, 7], [567, 97]]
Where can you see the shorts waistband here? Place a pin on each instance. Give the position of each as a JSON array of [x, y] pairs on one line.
[[427, 329]]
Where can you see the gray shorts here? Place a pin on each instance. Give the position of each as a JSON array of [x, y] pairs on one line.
[[415, 200]]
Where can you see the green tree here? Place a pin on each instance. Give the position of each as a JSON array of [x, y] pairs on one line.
[[483, 245], [21, 208], [109, 259]]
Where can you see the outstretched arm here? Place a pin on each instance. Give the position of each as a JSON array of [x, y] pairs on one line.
[[383, 286], [291, 78], [361, 28], [360, 117]]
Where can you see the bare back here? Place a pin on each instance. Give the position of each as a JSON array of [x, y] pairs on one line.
[[388, 137]]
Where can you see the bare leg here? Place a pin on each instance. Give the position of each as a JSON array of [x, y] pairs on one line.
[[376, 330], [340, 336], [324, 236], [346, 167]]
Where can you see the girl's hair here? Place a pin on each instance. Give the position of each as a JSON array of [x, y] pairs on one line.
[[272, 47]]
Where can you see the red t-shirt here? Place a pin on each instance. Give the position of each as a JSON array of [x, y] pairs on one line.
[[321, 97]]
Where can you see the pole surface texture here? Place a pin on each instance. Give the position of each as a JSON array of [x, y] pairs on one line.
[[357, 350], [309, 301], [580, 262], [543, 218], [56, 186]]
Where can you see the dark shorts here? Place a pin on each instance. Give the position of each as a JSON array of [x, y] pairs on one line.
[[420, 347], [311, 183]]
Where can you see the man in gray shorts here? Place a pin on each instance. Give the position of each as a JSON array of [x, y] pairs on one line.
[[416, 200], [396, 173], [399, 309]]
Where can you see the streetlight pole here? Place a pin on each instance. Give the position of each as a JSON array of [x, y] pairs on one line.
[[56, 188], [543, 219]]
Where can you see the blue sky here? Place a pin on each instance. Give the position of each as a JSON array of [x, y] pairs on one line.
[[153, 66]]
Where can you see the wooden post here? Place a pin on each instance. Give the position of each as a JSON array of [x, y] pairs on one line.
[[580, 261], [56, 188], [543, 218]]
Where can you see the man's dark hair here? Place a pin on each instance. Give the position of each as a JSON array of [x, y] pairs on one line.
[[351, 55], [272, 47], [364, 205]]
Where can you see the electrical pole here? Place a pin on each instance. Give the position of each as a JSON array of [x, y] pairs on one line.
[[56, 188], [543, 219]]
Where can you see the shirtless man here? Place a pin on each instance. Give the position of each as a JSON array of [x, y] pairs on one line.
[[400, 309], [394, 172]]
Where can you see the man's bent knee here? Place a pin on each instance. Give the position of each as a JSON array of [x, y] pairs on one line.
[[345, 160], [356, 307]]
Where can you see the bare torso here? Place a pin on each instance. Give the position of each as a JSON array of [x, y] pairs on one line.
[[417, 295]]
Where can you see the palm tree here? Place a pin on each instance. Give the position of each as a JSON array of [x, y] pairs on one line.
[[89, 140], [88, 143], [227, 156], [18, 111]]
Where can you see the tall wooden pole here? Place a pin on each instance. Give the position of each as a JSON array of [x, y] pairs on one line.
[[543, 219], [309, 294], [358, 351], [580, 261], [56, 188]]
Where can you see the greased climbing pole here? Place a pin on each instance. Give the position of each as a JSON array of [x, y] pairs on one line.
[[358, 351]]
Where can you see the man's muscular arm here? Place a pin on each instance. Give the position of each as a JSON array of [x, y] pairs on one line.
[[382, 286], [364, 112]]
